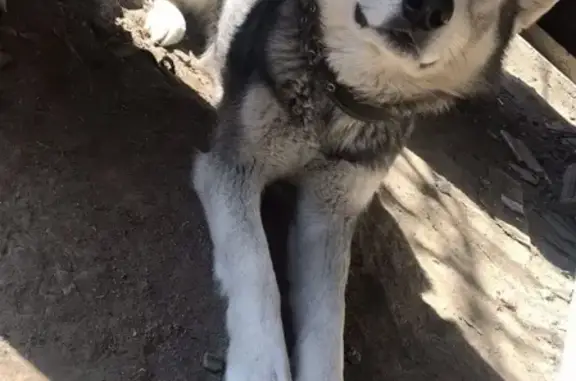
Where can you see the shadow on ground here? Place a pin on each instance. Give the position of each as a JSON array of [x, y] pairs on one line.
[[467, 148], [105, 270]]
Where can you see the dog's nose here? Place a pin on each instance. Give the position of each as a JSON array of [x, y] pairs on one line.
[[428, 14]]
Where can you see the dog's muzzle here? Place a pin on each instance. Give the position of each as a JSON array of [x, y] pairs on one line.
[[427, 15], [412, 27]]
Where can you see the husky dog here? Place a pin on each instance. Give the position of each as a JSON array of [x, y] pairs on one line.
[[324, 93]]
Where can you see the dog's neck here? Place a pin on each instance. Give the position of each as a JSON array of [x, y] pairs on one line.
[[313, 49]]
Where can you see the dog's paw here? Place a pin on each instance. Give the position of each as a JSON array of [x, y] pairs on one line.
[[257, 360], [165, 23]]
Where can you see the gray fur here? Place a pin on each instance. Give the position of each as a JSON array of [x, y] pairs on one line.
[[275, 122]]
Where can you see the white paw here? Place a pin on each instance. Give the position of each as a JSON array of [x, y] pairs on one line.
[[257, 349], [257, 359], [165, 23]]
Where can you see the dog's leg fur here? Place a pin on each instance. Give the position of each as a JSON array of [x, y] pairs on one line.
[[213, 59], [329, 202], [230, 195], [232, 15]]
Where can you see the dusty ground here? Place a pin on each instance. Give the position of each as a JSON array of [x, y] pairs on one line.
[[105, 261]]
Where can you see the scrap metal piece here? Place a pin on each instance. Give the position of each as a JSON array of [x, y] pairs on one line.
[[524, 154], [525, 174]]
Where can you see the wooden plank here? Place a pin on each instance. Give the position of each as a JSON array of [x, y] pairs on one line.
[[567, 370], [551, 50], [554, 88]]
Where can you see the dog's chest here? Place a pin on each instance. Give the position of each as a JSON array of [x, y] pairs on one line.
[[268, 125], [373, 144]]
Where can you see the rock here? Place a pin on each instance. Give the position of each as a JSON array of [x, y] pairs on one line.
[[213, 364]]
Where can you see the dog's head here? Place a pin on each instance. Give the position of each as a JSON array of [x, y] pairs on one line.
[[401, 49]]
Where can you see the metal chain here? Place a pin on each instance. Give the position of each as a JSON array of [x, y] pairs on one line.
[[311, 39]]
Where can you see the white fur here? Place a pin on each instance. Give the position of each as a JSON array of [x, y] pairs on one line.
[[243, 266], [319, 261], [455, 54], [378, 65], [231, 17], [165, 23], [377, 12]]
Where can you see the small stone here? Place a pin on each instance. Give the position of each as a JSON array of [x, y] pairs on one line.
[[513, 205], [213, 364], [353, 356], [443, 185]]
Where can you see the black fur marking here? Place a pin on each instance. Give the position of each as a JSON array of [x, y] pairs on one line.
[[247, 55]]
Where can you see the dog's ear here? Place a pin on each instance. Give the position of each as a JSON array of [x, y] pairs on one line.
[[530, 11]]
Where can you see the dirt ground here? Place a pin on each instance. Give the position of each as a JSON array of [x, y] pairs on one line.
[[105, 268]]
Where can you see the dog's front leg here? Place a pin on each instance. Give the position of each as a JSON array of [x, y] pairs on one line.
[[329, 202], [230, 195]]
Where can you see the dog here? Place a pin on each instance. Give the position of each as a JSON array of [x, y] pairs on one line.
[[323, 93]]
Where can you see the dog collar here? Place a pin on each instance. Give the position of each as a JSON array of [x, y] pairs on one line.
[[341, 95]]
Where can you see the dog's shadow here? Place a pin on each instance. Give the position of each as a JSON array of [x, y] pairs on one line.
[[390, 332]]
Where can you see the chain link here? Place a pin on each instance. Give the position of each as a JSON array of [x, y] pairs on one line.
[[310, 36]]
